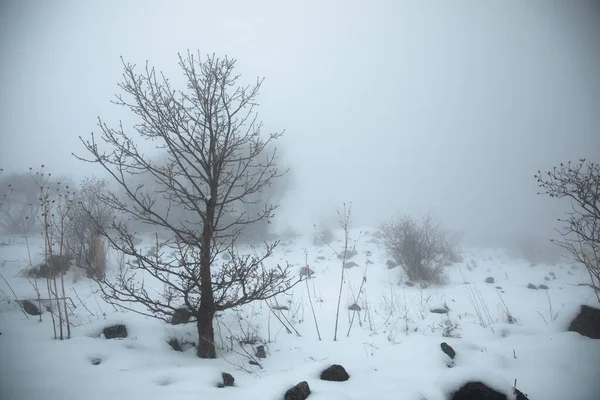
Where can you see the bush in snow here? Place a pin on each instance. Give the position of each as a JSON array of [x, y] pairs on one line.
[[422, 249]]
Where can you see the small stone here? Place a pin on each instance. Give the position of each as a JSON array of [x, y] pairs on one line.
[[543, 287], [335, 373], [354, 307], [489, 279], [299, 392], [228, 379], [446, 348], [260, 352], [439, 310], [532, 286], [409, 284], [350, 264]]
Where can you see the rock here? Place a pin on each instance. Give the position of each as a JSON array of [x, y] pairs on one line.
[[354, 307], [226, 256], [335, 373], [477, 391], [115, 331], [543, 287], [95, 361], [390, 264], [260, 352], [299, 392], [350, 264], [321, 258], [181, 316], [446, 348], [228, 379], [489, 279], [532, 286], [306, 271], [348, 254], [587, 322], [30, 308], [409, 284], [439, 310]]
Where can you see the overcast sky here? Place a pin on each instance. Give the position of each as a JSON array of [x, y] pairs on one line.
[[395, 106]]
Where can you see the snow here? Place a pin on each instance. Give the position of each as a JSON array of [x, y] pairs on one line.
[[392, 351]]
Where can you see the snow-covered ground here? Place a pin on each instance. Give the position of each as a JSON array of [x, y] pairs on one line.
[[391, 352]]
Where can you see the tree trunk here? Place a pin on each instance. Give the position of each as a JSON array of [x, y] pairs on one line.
[[206, 335], [206, 312]]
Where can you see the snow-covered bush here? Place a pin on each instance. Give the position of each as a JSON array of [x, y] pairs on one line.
[[422, 249]]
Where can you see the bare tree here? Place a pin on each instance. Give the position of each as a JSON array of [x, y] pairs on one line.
[[88, 216], [422, 249], [580, 233], [205, 130], [20, 203]]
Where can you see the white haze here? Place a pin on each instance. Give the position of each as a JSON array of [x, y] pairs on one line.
[[395, 106]]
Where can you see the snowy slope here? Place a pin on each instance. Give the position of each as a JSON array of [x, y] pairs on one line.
[[392, 351]]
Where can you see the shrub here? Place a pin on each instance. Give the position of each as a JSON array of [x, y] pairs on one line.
[[52, 267], [422, 249]]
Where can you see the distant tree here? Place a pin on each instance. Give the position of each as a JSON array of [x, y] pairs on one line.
[[88, 217], [580, 233], [20, 203], [216, 161]]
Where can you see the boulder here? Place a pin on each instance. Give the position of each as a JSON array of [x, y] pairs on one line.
[[181, 316], [115, 331], [335, 373], [446, 348], [299, 392], [30, 308], [587, 322], [480, 391]]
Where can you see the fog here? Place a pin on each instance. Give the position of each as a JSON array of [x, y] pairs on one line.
[[398, 107]]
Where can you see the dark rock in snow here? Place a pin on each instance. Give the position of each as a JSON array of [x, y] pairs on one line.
[[480, 391], [260, 352], [181, 316], [446, 348], [477, 391], [587, 322], [30, 308], [306, 271], [226, 256], [115, 331], [543, 287], [348, 254], [228, 380], [532, 286], [409, 283], [350, 264], [299, 392], [335, 373], [390, 264], [439, 310], [96, 361], [354, 307], [489, 279]]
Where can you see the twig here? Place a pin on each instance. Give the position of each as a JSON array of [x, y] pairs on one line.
[[14, 294]]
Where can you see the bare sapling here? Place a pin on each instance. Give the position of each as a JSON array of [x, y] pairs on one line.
[[312, 308]]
